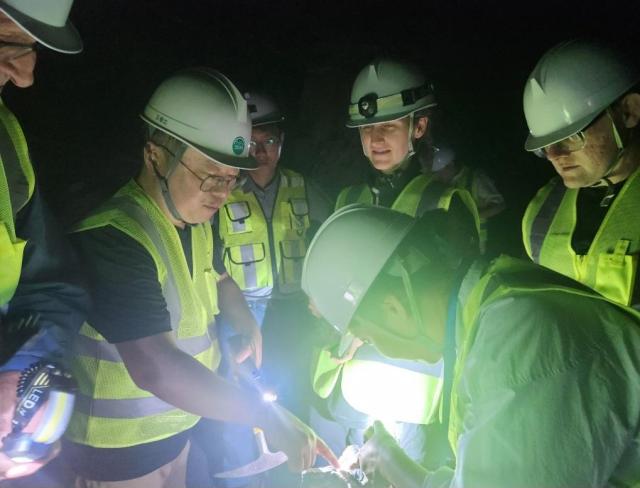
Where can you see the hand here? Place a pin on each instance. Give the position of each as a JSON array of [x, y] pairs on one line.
[[385, 463], [248, 346], [8, 400], [348, 354], [313, 309], [377, 450], [285, 432]]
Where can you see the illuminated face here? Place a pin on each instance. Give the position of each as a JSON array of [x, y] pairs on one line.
[[386, 144], [582, 168], [395, 333], [265, 146], [194, 205], [16, 62]]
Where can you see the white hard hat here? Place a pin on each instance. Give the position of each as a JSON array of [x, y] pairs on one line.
[[263, 109], [387, 90], [570, 86], [203, 109], [47, 21], [347, 254]]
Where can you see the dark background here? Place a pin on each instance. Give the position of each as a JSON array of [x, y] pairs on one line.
[[81, 116]]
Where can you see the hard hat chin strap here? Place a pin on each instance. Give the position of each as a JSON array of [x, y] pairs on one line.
[[612, 166], [432, 348], [164, 182]]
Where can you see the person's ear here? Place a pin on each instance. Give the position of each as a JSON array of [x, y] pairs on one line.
[[393, 308], [630, 110], [152, 155], [420, 127]]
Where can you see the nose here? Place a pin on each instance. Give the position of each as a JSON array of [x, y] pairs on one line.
[[20, 69], [377, 134]]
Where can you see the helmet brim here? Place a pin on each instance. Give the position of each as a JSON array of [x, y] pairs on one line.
[[537, 142], [240, 162], [353, 124], [65, 39]]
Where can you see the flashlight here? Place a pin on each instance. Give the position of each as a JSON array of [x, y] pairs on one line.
[[46, 387]]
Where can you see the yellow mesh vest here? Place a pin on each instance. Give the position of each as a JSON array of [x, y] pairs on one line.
[[245, 233], [610, 265], [361, 378], [111, 411], [17, 183]]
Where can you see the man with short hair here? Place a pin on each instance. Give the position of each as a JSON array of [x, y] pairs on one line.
[[582, 105], [42, 304], [264, 227], [541, 374], [147, 357]]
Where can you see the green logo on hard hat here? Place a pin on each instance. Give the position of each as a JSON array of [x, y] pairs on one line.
[[238, 145]]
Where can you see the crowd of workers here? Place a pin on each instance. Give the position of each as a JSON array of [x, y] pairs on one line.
[[144, 326]]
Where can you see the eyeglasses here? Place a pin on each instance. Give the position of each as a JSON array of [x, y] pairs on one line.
[[211, 182], [269, 144], [575, 142], [216, 183], [18, 49]]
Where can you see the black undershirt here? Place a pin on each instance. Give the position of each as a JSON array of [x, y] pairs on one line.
[[590, 216], [128, 305], [388, 187]]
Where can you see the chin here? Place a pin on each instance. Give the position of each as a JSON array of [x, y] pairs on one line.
[[384, 166]]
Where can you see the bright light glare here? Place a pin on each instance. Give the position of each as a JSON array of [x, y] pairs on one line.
[[269, 396]]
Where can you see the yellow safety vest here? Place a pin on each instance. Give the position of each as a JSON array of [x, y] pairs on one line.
[[17, 183], [111, 411], [466, 181], [611, 263], [248, 256], [402, 391], [505, 276]]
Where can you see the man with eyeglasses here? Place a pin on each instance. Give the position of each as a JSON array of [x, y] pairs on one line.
[[42, 303], [264, 227], [582, 105], [146, 359]]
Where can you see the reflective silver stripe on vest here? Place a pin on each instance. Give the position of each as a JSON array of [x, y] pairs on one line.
[[249, 268], [130, 408], [16, 179], [238, 216], [104, 351], [170, 290], [369, 353], [431, 197], [542, 222]]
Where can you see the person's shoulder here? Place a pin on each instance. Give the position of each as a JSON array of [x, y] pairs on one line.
[[528, 335]]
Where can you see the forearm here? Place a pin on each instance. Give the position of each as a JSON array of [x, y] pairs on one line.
[[180, 380], [234, 306]]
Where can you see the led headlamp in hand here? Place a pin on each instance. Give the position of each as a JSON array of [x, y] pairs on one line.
[[46, 387]]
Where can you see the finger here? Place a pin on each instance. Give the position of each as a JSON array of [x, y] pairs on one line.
[[23, 469], [326, 452], [257, 354], [242, 354]]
